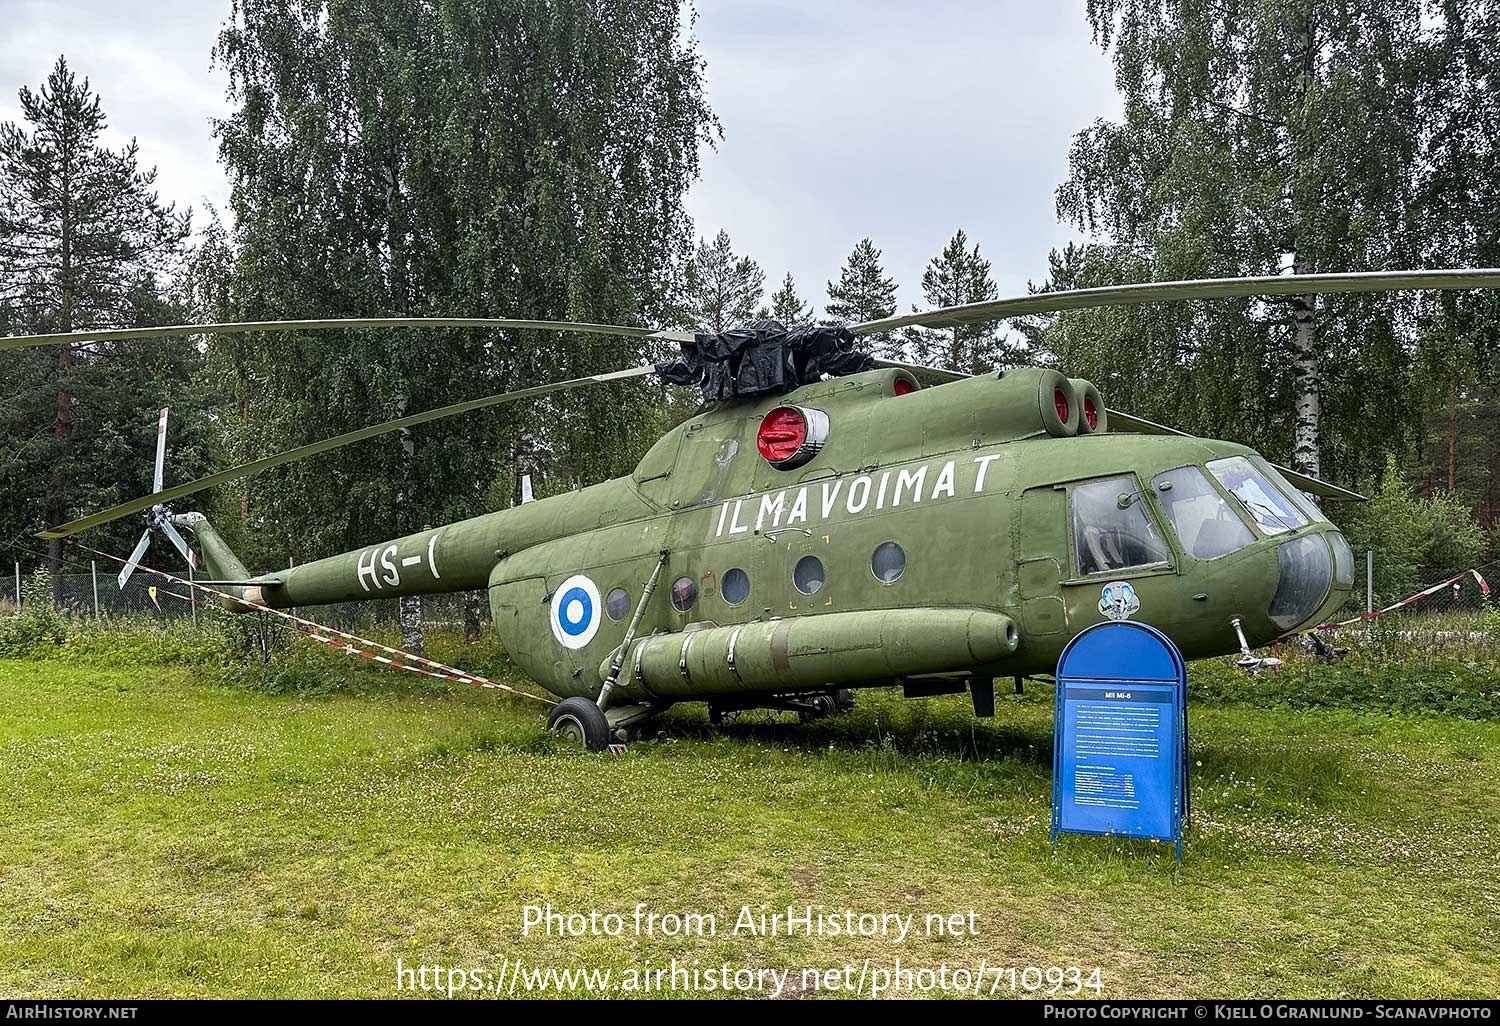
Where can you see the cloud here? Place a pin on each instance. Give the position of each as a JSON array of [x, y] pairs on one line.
[[842, 118], [149, 62], [901, 121]]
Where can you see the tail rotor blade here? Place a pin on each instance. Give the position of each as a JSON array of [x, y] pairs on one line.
[[178, 540], [135, 558], [161, 450]]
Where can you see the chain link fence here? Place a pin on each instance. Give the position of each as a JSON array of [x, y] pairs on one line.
[[97, 593], [1435, 598]]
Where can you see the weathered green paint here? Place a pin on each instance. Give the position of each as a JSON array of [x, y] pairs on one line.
[[964, 476], [868, 646]]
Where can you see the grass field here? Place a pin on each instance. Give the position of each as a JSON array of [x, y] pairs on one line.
[[164, 835]]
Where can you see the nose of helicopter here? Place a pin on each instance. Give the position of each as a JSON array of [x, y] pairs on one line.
[[1315, 575], [1304, 581]]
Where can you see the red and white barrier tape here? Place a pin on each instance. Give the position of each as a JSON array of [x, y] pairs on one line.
[[1483, 587], [342, 640]]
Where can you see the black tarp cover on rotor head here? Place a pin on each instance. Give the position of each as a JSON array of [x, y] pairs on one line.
[[763, 357]]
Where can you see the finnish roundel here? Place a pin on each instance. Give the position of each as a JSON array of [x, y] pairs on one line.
[[576, 611]]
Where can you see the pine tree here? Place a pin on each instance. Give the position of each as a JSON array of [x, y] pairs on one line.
[[787, 307], [865, 293], [720, 290], [956, 276], [84, 243]]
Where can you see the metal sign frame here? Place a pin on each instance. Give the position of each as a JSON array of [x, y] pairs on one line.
[[1112, 676]]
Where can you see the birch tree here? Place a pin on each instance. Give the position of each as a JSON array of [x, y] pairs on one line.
[[509, 158], [1266, 138]]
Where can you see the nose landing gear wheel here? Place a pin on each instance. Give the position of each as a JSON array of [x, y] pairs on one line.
[[580, 720]]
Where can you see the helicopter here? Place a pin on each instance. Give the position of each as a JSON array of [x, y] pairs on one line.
[[829, 521]]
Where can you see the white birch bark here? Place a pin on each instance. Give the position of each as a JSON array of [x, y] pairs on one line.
[[473, 616], [1307, 379], [410, 617]]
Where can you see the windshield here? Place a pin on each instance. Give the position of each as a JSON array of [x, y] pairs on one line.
[[1302, 499], [1106, 537], [1273, 512], [1205, 525]]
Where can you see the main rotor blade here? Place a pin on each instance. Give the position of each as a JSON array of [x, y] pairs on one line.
[[135, 558], [1167, 291], [1121, 421], [1317, 486], [176, 538], [1306, 482], [161, 450], [291, 455], [922, 370], [246, 327]]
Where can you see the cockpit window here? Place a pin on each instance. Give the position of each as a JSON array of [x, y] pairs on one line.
[[1291, 491], [1205, 525], [1112, 529], [1274, 513]]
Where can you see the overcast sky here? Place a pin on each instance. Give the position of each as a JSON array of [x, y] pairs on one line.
[[842, 118]]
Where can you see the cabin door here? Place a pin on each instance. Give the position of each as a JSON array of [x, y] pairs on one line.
[[1042, 559]]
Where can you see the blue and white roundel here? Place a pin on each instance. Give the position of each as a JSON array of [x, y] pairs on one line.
[[575, 612]]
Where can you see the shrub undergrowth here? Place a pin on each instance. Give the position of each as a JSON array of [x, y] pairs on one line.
[[1387, 668]]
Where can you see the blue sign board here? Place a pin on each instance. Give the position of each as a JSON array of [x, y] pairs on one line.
[[1120, 735]]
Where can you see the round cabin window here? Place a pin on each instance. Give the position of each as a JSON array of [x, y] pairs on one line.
[[684, 594], [617, 604], [735, 586], [888, 562], [808, 575]]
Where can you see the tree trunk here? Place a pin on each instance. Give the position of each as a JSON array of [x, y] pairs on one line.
[[244, 420], [473, 616], [1307, 372], [1453, 446], [1307, 380], [410, 617], [57, 501], [1488, 514], [410, 606]]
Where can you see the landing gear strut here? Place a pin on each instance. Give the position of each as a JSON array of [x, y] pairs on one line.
[[808, 706]]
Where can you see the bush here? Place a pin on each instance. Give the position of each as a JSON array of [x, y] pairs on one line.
[[1385, 671], [37, 626], [145, 641], [1408, 533]]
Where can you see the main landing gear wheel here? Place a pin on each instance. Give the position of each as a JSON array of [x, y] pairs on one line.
[[579, 719], [816, 708]]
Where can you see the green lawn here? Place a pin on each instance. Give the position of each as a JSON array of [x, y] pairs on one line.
[[164, 836]]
